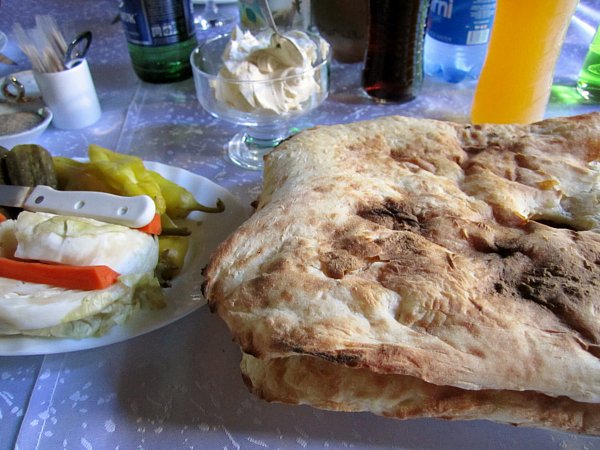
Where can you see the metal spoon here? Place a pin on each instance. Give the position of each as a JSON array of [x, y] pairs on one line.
[[279, 39]]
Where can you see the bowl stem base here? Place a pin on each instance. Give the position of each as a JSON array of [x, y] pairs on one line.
[[247, 150]]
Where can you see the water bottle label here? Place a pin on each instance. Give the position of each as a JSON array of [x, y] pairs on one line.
[[153, 23], [461, 22]]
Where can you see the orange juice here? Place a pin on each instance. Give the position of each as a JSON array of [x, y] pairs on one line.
[[516, 79]]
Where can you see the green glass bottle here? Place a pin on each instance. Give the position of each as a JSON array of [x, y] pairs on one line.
[[160, 38], [588, 83]]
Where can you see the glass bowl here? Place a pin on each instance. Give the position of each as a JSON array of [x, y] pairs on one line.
[[264, 126]]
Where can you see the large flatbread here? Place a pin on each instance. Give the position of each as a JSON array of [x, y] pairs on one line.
[[463, 257], [326, 385]]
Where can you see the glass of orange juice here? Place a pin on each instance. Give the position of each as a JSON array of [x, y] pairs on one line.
[[515, 82]]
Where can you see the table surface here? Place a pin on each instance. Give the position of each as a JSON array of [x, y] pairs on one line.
[[180, 386]]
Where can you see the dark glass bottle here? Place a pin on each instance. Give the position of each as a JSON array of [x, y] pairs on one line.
[[160, 38], [393, 69]]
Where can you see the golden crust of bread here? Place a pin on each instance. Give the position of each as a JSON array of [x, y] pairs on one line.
[[322, 384], [463, 256]]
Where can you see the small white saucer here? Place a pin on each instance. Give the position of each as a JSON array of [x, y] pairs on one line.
[[28, 136], [34, 104]]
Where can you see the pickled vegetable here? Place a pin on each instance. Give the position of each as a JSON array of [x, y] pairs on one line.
[[120, 174], [180, 202], [171, 257], [113, 172], [79, 176], [30, 165], [4, 212], [3, 172], [125, 174]]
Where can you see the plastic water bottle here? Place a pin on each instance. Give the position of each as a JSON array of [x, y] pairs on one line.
[[160, 38], [457, 36]]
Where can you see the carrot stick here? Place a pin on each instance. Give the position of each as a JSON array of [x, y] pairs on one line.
[[85, 278], [2, 217], [154, 227]]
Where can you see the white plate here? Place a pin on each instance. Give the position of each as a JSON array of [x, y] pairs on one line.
[[34, 103], [183, 297], [28, 136]]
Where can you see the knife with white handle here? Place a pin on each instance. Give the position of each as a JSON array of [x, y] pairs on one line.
[[133, 212]]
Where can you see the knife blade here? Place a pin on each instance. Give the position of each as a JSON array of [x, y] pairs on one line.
[[133, 212], [6, 60]]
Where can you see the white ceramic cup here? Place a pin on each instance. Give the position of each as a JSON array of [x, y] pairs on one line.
[[71, 96]]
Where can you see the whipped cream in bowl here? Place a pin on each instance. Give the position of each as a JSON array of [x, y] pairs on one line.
[[262, 82]]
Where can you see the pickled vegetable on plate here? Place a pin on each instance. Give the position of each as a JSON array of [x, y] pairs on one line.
[[180, 202], [79, 176], [28, 165], [3, 172], [172, 251], [127, 175], [4, 213], [120, 174], [25, 165]]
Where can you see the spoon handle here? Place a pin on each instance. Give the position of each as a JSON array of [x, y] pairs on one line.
[[266, 9]]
